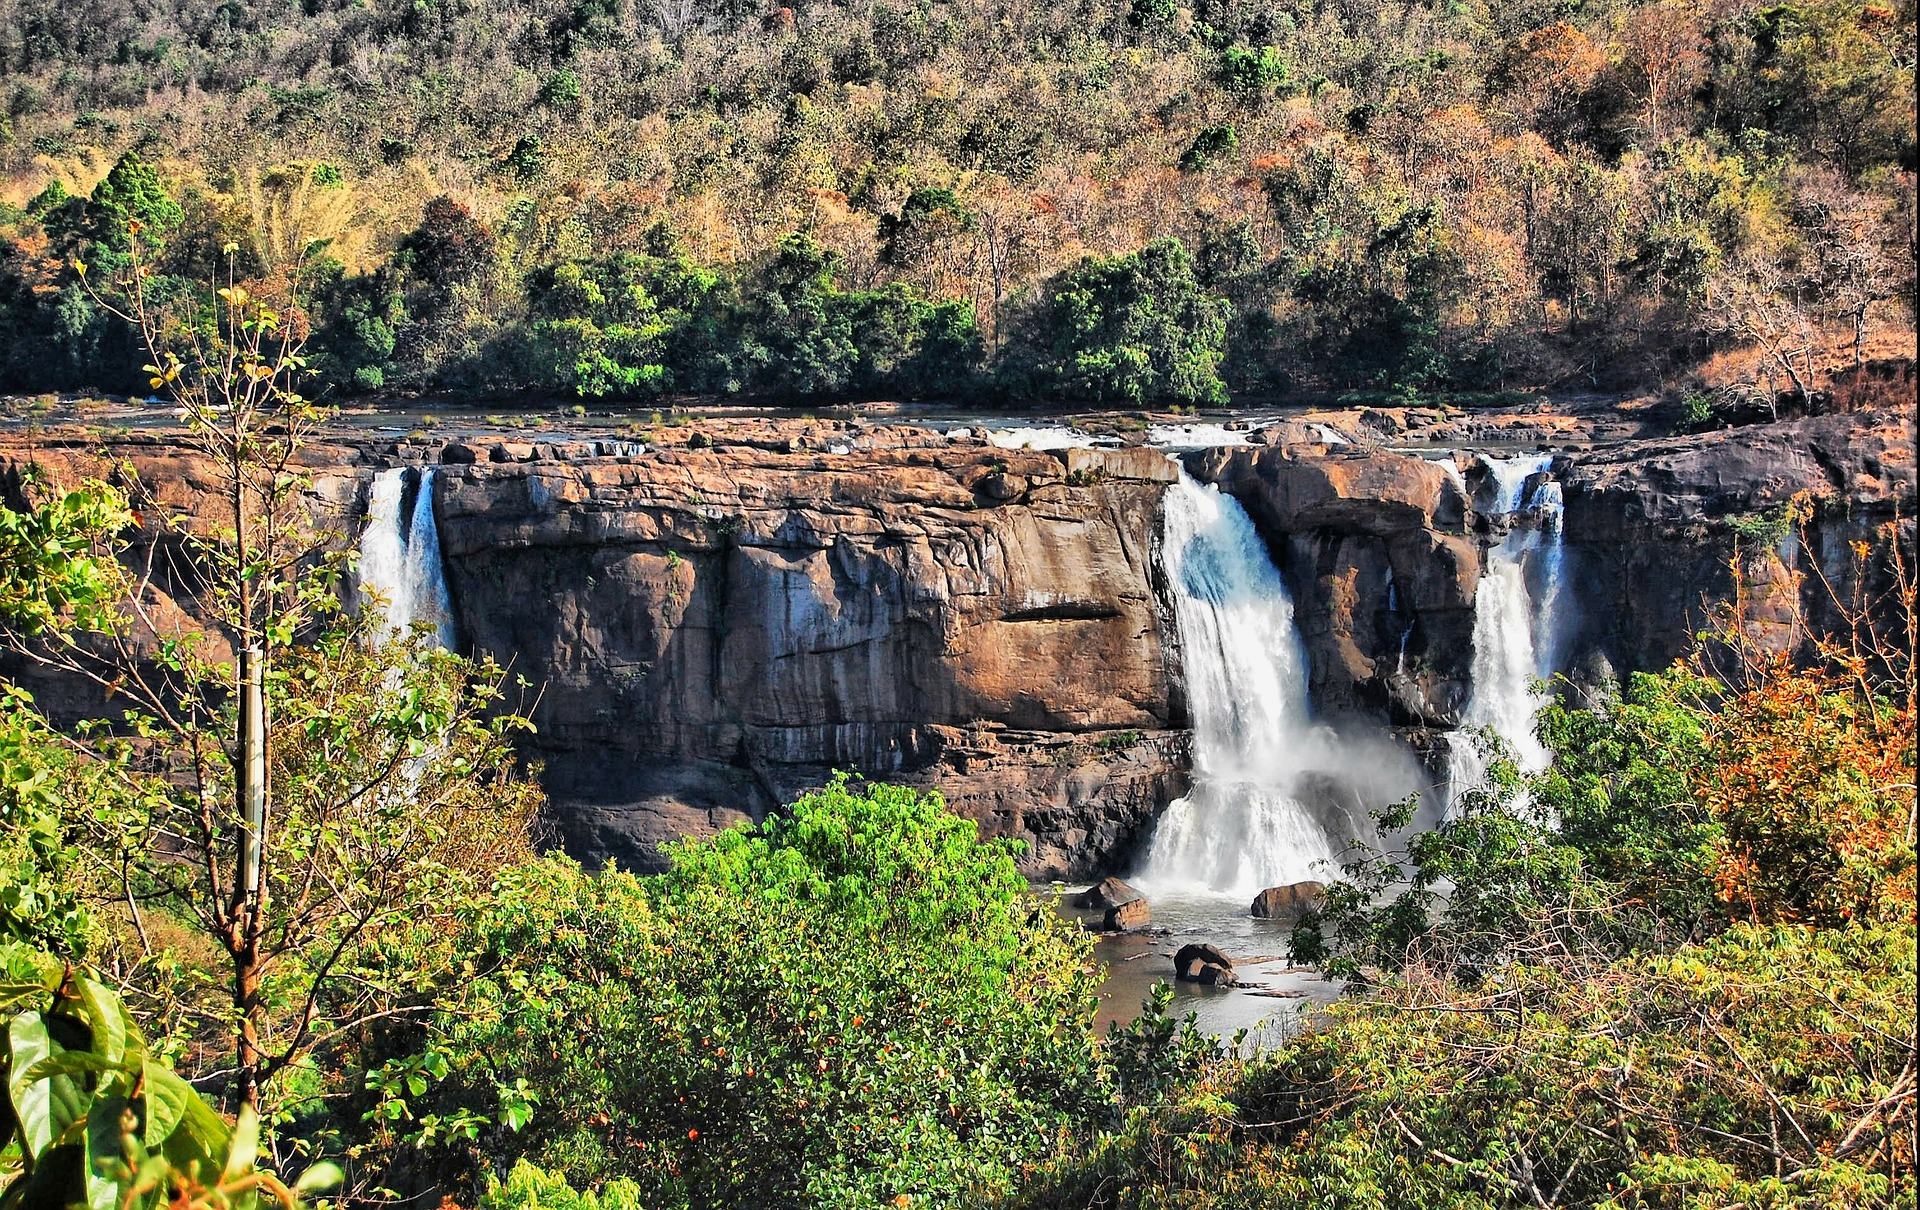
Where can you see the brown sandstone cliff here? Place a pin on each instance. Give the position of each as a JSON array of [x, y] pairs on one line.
[[714, 629], [717, 629]]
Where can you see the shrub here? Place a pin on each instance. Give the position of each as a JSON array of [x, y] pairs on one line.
[[1766, 1068], [1127, 330]]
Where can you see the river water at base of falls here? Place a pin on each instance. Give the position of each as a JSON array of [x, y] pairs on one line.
[[400, 555]]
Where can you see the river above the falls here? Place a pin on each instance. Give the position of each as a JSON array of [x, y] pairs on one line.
[[1268, 1008], [541, 421]]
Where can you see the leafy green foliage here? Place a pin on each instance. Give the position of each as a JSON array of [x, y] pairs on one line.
[[528, 1187], [56, 567], [856, 1000], [1129, 330], [1593, 179], [1765, 1068], [1621, 789], [42, 786], [95, 1120]]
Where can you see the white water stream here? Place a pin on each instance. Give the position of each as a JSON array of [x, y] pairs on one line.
[[1517, 622], [400, 556], [1274, 796]]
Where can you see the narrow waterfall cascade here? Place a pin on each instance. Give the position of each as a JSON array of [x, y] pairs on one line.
[[1518, 619], [1273, 795], [400, 555]]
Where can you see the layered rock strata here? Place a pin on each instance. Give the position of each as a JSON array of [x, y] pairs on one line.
[[717, 624], [717, 629]]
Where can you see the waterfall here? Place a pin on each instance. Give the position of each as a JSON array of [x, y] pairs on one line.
[[1244, 826], [1517, 620], [400, 556]]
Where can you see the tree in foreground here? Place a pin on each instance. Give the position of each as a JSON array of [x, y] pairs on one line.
[[285, 794], [850, 1004]]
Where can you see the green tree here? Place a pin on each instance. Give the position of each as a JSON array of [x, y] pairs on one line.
[[1128, 329], [855, 1001], [298, 840]]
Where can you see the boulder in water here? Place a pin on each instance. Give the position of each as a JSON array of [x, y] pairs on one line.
[[1203, 963], [1289, 900], [1123, 917], [1109, 893]]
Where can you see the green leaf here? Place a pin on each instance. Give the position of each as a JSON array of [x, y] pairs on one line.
[[244, 1148], [320, 1177], [108, 1019], [106, 1158], [67, 1063], [167, 1097], [45, 1106]]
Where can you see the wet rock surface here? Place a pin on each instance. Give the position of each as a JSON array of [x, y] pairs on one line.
[[1108, 893], [1283, 901]]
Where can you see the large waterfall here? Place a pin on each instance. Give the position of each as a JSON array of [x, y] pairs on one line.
[[400, 554], [1517, 618], [1271, 794]]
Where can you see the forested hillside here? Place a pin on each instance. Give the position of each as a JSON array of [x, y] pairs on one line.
[[1109, 200]]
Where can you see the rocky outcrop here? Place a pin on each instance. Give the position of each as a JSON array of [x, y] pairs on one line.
[[1383, 551], [1107, 894], [1204, 963], [715, 630], [1654, 528]]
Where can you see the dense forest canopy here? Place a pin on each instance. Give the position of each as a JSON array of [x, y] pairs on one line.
[[1107, 201]]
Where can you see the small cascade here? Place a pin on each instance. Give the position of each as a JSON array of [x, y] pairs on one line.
[[1452, 468], [1517, 618], [1547, 577], [400, 555], [1507, 482]]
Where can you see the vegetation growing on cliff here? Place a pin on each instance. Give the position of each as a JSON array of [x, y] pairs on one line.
[[617, 200]]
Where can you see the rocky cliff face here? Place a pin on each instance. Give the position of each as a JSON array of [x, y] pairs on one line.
[[1654, 527], [1383, 551], [1376, 552], [716, 629]]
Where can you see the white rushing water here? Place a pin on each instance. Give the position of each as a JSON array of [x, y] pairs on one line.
[[1268, 785], [1517, 622], [400, 556], [1042, 437]]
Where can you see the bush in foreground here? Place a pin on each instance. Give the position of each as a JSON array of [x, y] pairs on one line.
[[849, 1003]]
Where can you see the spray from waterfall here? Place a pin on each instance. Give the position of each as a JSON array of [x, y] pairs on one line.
[[1274, 796], [400, 555]]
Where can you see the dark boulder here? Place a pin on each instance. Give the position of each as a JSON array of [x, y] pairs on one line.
[[1123, 917], [1203, 963]]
